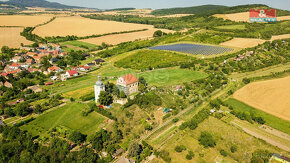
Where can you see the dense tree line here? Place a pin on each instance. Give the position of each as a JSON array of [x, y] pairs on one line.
[[19, 146]]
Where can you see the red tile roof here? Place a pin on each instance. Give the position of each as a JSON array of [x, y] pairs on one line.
[[54, 68], [129, 79], [4, 74], [32, 69], [48, 83], [14, 65], [72, 72]]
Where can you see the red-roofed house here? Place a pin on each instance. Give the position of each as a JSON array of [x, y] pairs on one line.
[[30, 61], [31, 54], [4, 74], [54, 69], [8, 85], [31, 70], [71, 73], [14, 66], [128, 84], [85, 68]]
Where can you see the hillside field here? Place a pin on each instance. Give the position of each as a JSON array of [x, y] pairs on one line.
[[271, 96], [23, 20], [251, 42], [11, 37], [124, 37], [68, 116], [79, 26]]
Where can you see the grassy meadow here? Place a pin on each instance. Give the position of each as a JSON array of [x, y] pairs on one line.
[[271, 120], [225, 135], [69, 116], [165, 77]]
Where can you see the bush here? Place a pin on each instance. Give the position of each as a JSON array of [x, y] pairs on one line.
[[180, 148], [190, 155], [223, 153], [206, 139], [233, 149], [246, 80], [77, 137]]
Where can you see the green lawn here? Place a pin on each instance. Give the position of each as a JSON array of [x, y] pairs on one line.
[[68, 116], [233, 27], [271, 120], [166, 77]]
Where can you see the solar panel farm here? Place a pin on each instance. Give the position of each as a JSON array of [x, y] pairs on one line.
[[195, 84], [194, 49]]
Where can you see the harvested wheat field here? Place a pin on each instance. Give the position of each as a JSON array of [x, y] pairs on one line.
[[243, 42], [251, 42], [23, 20], [125, 37], [270, 96], [11, 37], [244, 16], [279, 37], [79, 26]]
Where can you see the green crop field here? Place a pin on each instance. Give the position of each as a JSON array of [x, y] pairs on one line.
[[271, 120], [232, 27], [149, 59], [68, 116], [165, 77], [79, 44]]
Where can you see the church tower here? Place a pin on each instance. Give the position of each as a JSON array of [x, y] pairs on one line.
[[99, 87]]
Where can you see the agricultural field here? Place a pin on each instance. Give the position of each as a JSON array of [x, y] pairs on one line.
[[77, 45], [150, 59], [271, 120], [270, 96], [11, 37], [124, 37], [225, 135], [23, 20], [168, 77], [69, 116], [195, 49], [79, 26], [244, 17], [233, 27], [243, 42], [251, 42]]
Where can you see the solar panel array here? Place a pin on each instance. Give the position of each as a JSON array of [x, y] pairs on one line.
[[194, 49]]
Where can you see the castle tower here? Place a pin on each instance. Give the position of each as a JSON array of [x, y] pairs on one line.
[[99, 87]]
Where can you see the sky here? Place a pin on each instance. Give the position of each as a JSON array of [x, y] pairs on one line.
[[156, 4]]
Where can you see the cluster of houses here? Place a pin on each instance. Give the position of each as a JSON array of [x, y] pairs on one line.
[[31, 62], [243, 56]]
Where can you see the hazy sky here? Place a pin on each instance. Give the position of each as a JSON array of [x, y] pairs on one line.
[[155, 4], [107, 4]]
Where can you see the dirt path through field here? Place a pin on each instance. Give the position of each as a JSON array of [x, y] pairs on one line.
[[260, 136]]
